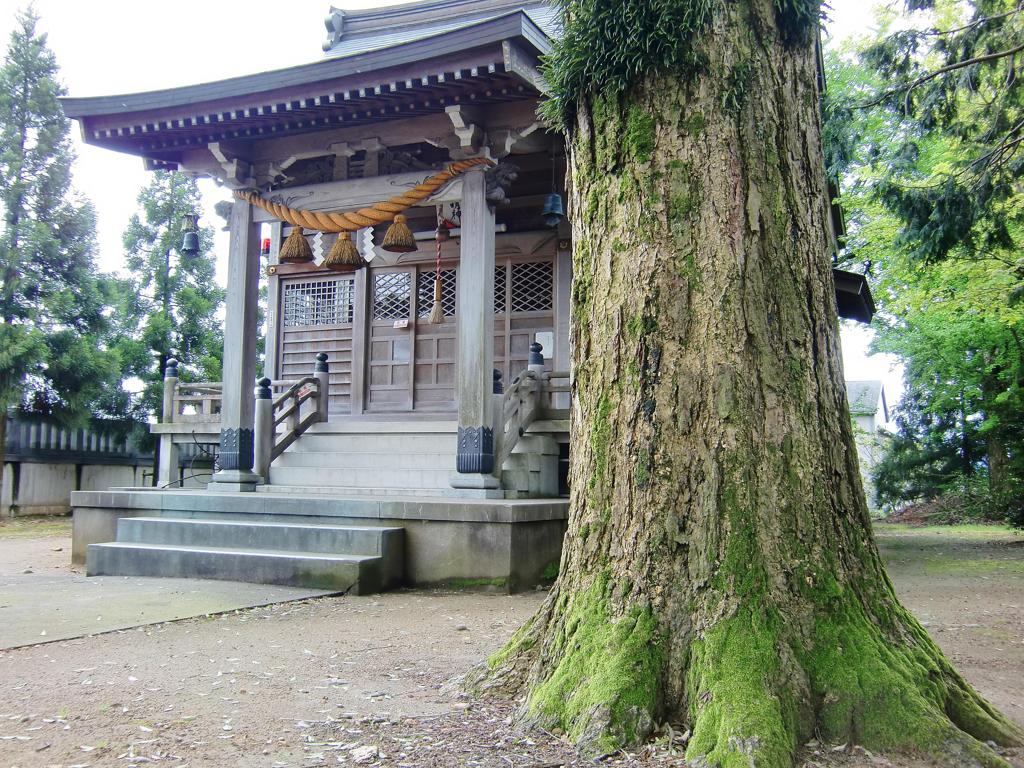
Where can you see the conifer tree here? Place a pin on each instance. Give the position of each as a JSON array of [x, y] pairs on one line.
[[53, 356], [170, 303]]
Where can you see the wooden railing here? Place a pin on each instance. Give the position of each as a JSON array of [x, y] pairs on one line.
[[532, 396], [192, 413], [281, 419], [189, 402]]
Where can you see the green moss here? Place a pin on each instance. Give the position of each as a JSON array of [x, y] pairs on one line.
[[30, 527], [639, 139], [684, 193], [522, 641], [641, 324], [643, 472], [550, 572], [738, 719], [472, 583], [737, 83], [608, 672], [693, 125], [870, 687], [600, 435]]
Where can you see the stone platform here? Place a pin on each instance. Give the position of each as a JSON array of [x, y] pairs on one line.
[[504, 543]]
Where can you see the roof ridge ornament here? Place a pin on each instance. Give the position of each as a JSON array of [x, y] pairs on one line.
[[335, 23]]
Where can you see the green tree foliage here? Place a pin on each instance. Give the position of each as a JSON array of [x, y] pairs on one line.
[[54, 306], [941, 231], [170, 303], [954, 74]]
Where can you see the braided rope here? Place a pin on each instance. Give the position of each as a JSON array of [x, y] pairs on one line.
[[365, 217]]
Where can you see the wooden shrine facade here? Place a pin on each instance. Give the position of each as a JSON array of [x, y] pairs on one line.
[[385, 358]]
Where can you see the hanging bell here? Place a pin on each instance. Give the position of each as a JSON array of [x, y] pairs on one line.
[[190, 244], [398, 238], [344, 256], [554, 211], [190, 240], [442, 234], [295, 249]]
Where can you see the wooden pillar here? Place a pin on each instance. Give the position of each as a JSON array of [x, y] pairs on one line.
[[237, 407], [474, 461], [271, 365]]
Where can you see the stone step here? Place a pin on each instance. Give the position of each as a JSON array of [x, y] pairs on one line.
[[244, 534], [351, 493], [340, 477], [357, 574], [374, 443], [338, 460], [380, 426]]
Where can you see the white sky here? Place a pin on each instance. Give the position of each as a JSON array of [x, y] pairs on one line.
[[109, 47]]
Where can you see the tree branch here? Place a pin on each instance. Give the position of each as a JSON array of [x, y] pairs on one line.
[[973, 24], [939, 73]]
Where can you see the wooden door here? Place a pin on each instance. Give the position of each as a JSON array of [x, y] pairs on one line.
[[317, 314], [392, 327], [435, 345]]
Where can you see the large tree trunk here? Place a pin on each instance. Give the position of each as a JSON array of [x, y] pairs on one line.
[[719, 567]]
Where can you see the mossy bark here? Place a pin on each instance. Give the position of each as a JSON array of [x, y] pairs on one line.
[[719, 567]]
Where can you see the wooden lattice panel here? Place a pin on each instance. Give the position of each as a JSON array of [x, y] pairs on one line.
[[391, 295], [533, 286], [425, 293], [318, 302]]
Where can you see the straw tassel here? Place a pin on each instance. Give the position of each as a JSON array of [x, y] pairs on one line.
[[295, 249], [437, 311], [399, 238], [344, 256]]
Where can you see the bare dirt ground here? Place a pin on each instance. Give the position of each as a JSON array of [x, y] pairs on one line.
[[367, 681]]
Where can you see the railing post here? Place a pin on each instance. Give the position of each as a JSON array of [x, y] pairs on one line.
[[497, 421], [263, 426], [170, 386], [321, 372], [167, 470], [535, 362], [535, 365]]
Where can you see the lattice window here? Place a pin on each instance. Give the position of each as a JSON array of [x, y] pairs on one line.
[[425, 293], [323, 302], [391, 295], [499, 289], [532, 287]]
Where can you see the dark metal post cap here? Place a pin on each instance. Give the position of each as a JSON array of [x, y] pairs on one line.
[[171, 369], [498, 388], [263, 391], [321, 363], [536, 353]]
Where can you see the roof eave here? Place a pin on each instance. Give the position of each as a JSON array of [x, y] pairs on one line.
[[513, 26]]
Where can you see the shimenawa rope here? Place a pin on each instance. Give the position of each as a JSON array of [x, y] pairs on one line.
[[378, 213]]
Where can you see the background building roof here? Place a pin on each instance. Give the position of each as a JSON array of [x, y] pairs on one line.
[[864, 397]]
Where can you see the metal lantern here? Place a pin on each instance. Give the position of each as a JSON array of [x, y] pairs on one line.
[[554, 211]]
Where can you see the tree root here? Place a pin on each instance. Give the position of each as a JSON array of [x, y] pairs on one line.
[[755, 690]]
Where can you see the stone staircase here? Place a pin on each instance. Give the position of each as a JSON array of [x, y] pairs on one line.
[[378, 458], [356, 559]]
